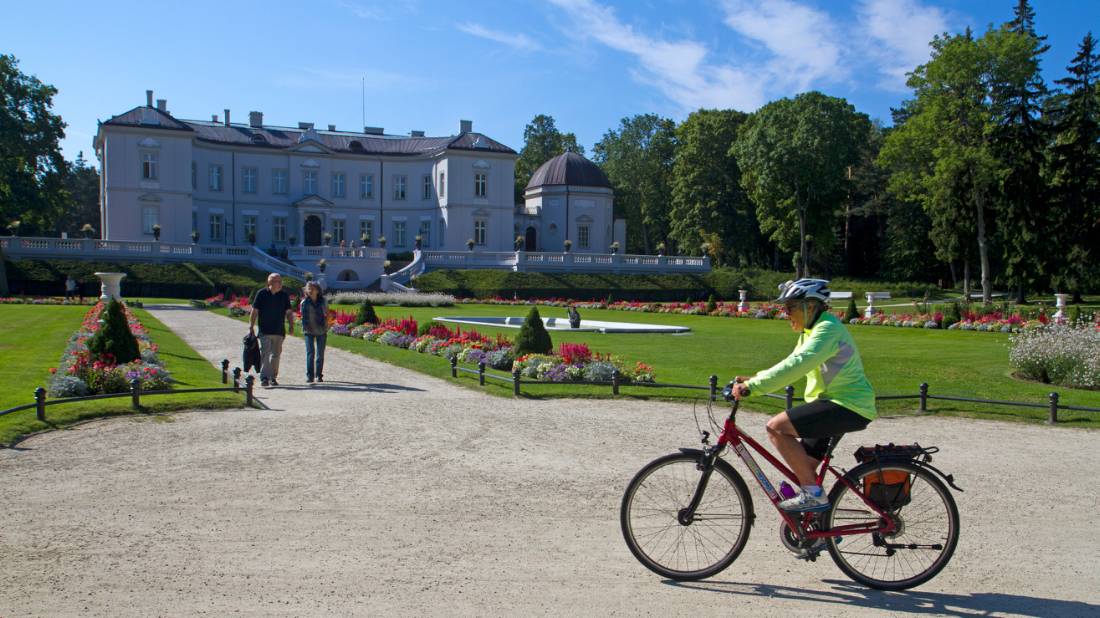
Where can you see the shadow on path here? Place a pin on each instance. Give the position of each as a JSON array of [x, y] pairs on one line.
[[910, 601]]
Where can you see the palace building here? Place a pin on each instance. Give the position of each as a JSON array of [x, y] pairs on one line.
[[240, 183]]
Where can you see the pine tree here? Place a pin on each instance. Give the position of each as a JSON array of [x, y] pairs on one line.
[[366, 314], [532, 337], [1074, 171], [852, 312], [114, 337]]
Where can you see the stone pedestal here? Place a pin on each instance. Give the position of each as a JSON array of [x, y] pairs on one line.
[[1060, 303], [110, 286], [744, 304], [870, 310]]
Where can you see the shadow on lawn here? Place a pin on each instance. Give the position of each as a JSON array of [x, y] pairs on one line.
[[910, 601]]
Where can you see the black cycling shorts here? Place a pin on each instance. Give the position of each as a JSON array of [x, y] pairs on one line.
[[820, 420]]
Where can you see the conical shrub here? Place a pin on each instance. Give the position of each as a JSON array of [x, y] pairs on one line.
[[114, 336], [852, 312], [532, 337], [366, 314]]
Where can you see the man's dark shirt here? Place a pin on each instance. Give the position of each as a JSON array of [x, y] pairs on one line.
[[272, 308]]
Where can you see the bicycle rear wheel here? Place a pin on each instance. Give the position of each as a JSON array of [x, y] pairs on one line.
[[663, 540], [928, 526]]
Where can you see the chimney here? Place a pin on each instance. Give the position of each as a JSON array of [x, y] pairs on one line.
[[373, 130], [415, 133], [214, 117], [162, 105], [305, 126], [256, 119], [227, 117], [148, 98], [465, 126], [332, 127]]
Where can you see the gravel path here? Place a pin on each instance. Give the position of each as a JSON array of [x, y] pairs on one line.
[[387, 492]]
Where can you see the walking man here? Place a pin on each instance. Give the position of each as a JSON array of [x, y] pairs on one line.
[[270, 307]]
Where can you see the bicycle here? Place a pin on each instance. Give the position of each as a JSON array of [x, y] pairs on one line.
[[892, 523]]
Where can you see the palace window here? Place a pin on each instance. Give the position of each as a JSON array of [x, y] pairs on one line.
[[583, 236], [249, 222], [399, 187], [217, 226], [425, 233], [150, 216], [279, 229], [480, 184], [479, 233], [366, 186], [149, 165], [215, 173], [399, 233], [278, 181], [339, 227], [248, 179], [194, 175], [339, 180], [366, 227], [309, 182], [442, 185], [426, 193]]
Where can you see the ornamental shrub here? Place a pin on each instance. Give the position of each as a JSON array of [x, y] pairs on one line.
[[1075, 316], [114, 337], [853, 312], [532, 337], [712, 306], [366, 314], [952, 315]]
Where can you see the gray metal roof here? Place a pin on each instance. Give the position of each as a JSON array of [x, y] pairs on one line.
[[285, 137], [569, 169]]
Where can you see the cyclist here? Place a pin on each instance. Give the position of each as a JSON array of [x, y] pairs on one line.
[[838, 396]]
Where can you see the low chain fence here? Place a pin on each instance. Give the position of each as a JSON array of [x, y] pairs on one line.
[[516, 379], [136, 393]]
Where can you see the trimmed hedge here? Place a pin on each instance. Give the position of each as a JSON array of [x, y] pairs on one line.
[[722, 284], [183, 280]]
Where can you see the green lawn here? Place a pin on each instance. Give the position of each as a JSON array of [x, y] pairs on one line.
[[32, 339], [897, 360]]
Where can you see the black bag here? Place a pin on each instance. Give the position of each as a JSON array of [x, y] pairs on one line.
[[251, 355]]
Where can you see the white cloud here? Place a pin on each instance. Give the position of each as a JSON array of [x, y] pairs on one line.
[[363, 11], [517, 41], [899, 32], [679, 69], [803, 41]]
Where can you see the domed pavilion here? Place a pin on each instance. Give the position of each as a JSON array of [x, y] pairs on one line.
[[569, 198]]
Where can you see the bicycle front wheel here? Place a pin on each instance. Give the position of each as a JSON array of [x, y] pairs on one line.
[[667, 542], [927, 525]]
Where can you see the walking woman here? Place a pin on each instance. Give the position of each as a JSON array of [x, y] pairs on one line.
[[314, 311]]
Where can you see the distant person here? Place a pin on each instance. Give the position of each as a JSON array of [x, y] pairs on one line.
[[314, 311], [270, 308], [70, 287], [574, 317], [343, 247]]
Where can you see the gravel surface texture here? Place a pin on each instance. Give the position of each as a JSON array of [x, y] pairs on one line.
[[385, 492]]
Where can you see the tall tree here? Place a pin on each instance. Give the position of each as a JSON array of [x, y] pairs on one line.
[[941, 157], [542, 141], [82, 187], [638, 160], [708, 204], [31, 166], [1074, 170], [1019, 141], [794, 155]]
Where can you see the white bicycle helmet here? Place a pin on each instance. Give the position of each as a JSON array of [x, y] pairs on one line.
[[802, 289]]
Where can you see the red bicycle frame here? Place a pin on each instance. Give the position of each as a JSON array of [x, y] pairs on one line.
[[733, 437]]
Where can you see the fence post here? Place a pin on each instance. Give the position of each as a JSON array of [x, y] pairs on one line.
[[923, 397], [713, 388], [135, 393], [40, 403], [249, 384], [236, 379], [454, 366], [515, 382], [1053, 418], [790, 397], [481, 373], [614, 381], [225, 371]]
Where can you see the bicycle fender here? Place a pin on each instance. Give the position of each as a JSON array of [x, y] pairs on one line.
[[948, 478], [693, 451]]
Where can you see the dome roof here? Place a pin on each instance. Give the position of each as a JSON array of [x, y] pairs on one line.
[[569, 169]]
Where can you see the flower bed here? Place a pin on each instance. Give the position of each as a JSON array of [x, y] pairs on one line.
[[1058, 354], [574, 361], [79, 373], [389, 298], [41, 300]]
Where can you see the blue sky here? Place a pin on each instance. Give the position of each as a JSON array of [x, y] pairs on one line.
[[427, 64]]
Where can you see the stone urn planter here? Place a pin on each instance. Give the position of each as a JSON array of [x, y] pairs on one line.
[[110, 286]]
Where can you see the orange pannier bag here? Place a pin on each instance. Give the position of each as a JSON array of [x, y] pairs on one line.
[[889, 489]]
